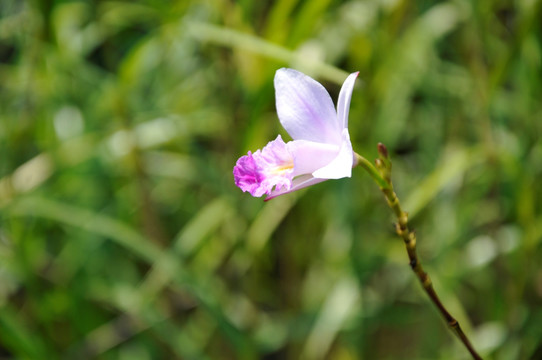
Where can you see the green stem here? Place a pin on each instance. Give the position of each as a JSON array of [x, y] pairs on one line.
[[370, 168], [382, 176]]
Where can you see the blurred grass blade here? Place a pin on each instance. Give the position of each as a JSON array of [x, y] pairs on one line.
[[22, 341], [454, 164], [203, 223], [335, 310], [254, 44], [262, 228], [89, 221]]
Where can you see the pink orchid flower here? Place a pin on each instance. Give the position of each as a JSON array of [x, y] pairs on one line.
[[321, 148]]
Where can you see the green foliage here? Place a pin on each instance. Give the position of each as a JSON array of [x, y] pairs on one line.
[[123, 236]]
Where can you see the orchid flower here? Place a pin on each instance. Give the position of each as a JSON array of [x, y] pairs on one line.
[[321, 147]]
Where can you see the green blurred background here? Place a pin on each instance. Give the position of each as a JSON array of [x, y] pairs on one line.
[[123, 236]]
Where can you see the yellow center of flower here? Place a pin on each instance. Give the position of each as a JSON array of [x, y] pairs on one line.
[[283, 168]]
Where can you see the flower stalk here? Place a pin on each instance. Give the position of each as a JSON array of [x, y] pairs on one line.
[[381, 173]]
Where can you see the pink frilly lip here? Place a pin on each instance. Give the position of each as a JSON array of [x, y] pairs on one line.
[[271, 167]]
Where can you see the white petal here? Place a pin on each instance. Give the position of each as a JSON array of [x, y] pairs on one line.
[[341, 166], [305, 108], [343, 105], [298, 183], [310, 156]]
